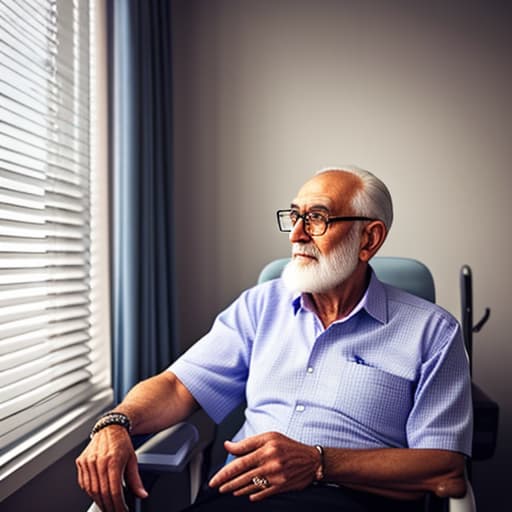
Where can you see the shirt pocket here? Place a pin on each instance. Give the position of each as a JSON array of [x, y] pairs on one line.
[[375, 399]]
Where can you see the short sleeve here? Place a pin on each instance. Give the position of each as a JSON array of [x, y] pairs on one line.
[[215, 368], [442, 416]]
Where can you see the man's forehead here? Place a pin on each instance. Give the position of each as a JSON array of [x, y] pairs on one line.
[[314, 201], [330, 189]]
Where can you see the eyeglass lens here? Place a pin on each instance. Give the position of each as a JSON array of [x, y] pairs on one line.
[[314, 222]]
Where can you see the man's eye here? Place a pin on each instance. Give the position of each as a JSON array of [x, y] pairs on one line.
[[316, 217]]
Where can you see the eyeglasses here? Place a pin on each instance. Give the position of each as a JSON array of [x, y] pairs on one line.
[[315, 223]]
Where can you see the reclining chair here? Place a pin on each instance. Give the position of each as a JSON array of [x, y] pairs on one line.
[[180, 450]]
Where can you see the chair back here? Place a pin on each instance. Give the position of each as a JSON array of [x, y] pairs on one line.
[[406, 273]]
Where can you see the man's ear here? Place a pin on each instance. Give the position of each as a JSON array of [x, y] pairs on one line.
[[372, 238]]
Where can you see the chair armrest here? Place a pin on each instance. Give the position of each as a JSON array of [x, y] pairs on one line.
[[465, 504], [170, 450]]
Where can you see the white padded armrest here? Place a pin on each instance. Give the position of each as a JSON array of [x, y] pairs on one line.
[[466, 504]]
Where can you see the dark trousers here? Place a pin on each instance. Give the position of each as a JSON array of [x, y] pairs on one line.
[[316, 498]]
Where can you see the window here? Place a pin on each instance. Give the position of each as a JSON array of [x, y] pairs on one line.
[[55, 370]]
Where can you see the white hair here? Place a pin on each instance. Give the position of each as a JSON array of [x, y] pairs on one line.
[[373, 199]]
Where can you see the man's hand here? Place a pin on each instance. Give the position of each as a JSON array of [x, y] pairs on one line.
[[108, 459], [286, 464]]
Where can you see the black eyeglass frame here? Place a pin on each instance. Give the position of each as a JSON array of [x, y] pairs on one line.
[[305, 220]]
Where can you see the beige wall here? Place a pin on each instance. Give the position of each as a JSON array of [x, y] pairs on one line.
[[418, 92]]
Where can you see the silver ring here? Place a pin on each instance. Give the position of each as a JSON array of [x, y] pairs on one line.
[[260, 482]]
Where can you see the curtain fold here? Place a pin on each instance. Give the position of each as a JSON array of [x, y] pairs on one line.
[[144, 320]]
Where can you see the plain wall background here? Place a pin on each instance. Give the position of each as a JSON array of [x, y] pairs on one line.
[[268, 91]]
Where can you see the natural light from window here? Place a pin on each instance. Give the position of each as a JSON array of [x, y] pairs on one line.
[[55, 371]]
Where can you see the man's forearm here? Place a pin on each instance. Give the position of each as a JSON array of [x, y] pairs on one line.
[[157, 403], [288, 465], [398, 473], [109, 459]]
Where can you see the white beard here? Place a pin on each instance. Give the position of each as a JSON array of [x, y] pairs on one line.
[[326, 271]]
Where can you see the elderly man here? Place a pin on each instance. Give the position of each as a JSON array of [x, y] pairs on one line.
[[358, 394]]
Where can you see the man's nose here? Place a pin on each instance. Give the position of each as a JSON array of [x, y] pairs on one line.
[[298, 233]]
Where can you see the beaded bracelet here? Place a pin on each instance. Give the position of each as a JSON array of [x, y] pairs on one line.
[[111, 418], [319, 474]]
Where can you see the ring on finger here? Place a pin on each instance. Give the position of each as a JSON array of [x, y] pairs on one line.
[[261, 482]]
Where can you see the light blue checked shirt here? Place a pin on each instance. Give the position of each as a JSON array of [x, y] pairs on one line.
[[394, 373]]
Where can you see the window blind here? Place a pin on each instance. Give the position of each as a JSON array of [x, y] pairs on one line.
[[50, 355]]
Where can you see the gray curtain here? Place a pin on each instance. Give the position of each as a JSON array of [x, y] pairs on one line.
[[143, 288]]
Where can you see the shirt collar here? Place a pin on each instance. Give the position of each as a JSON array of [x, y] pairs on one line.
[[373, 301], [376, 300]]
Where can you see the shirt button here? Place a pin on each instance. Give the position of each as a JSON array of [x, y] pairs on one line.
[[299, 408], [310, 369]]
